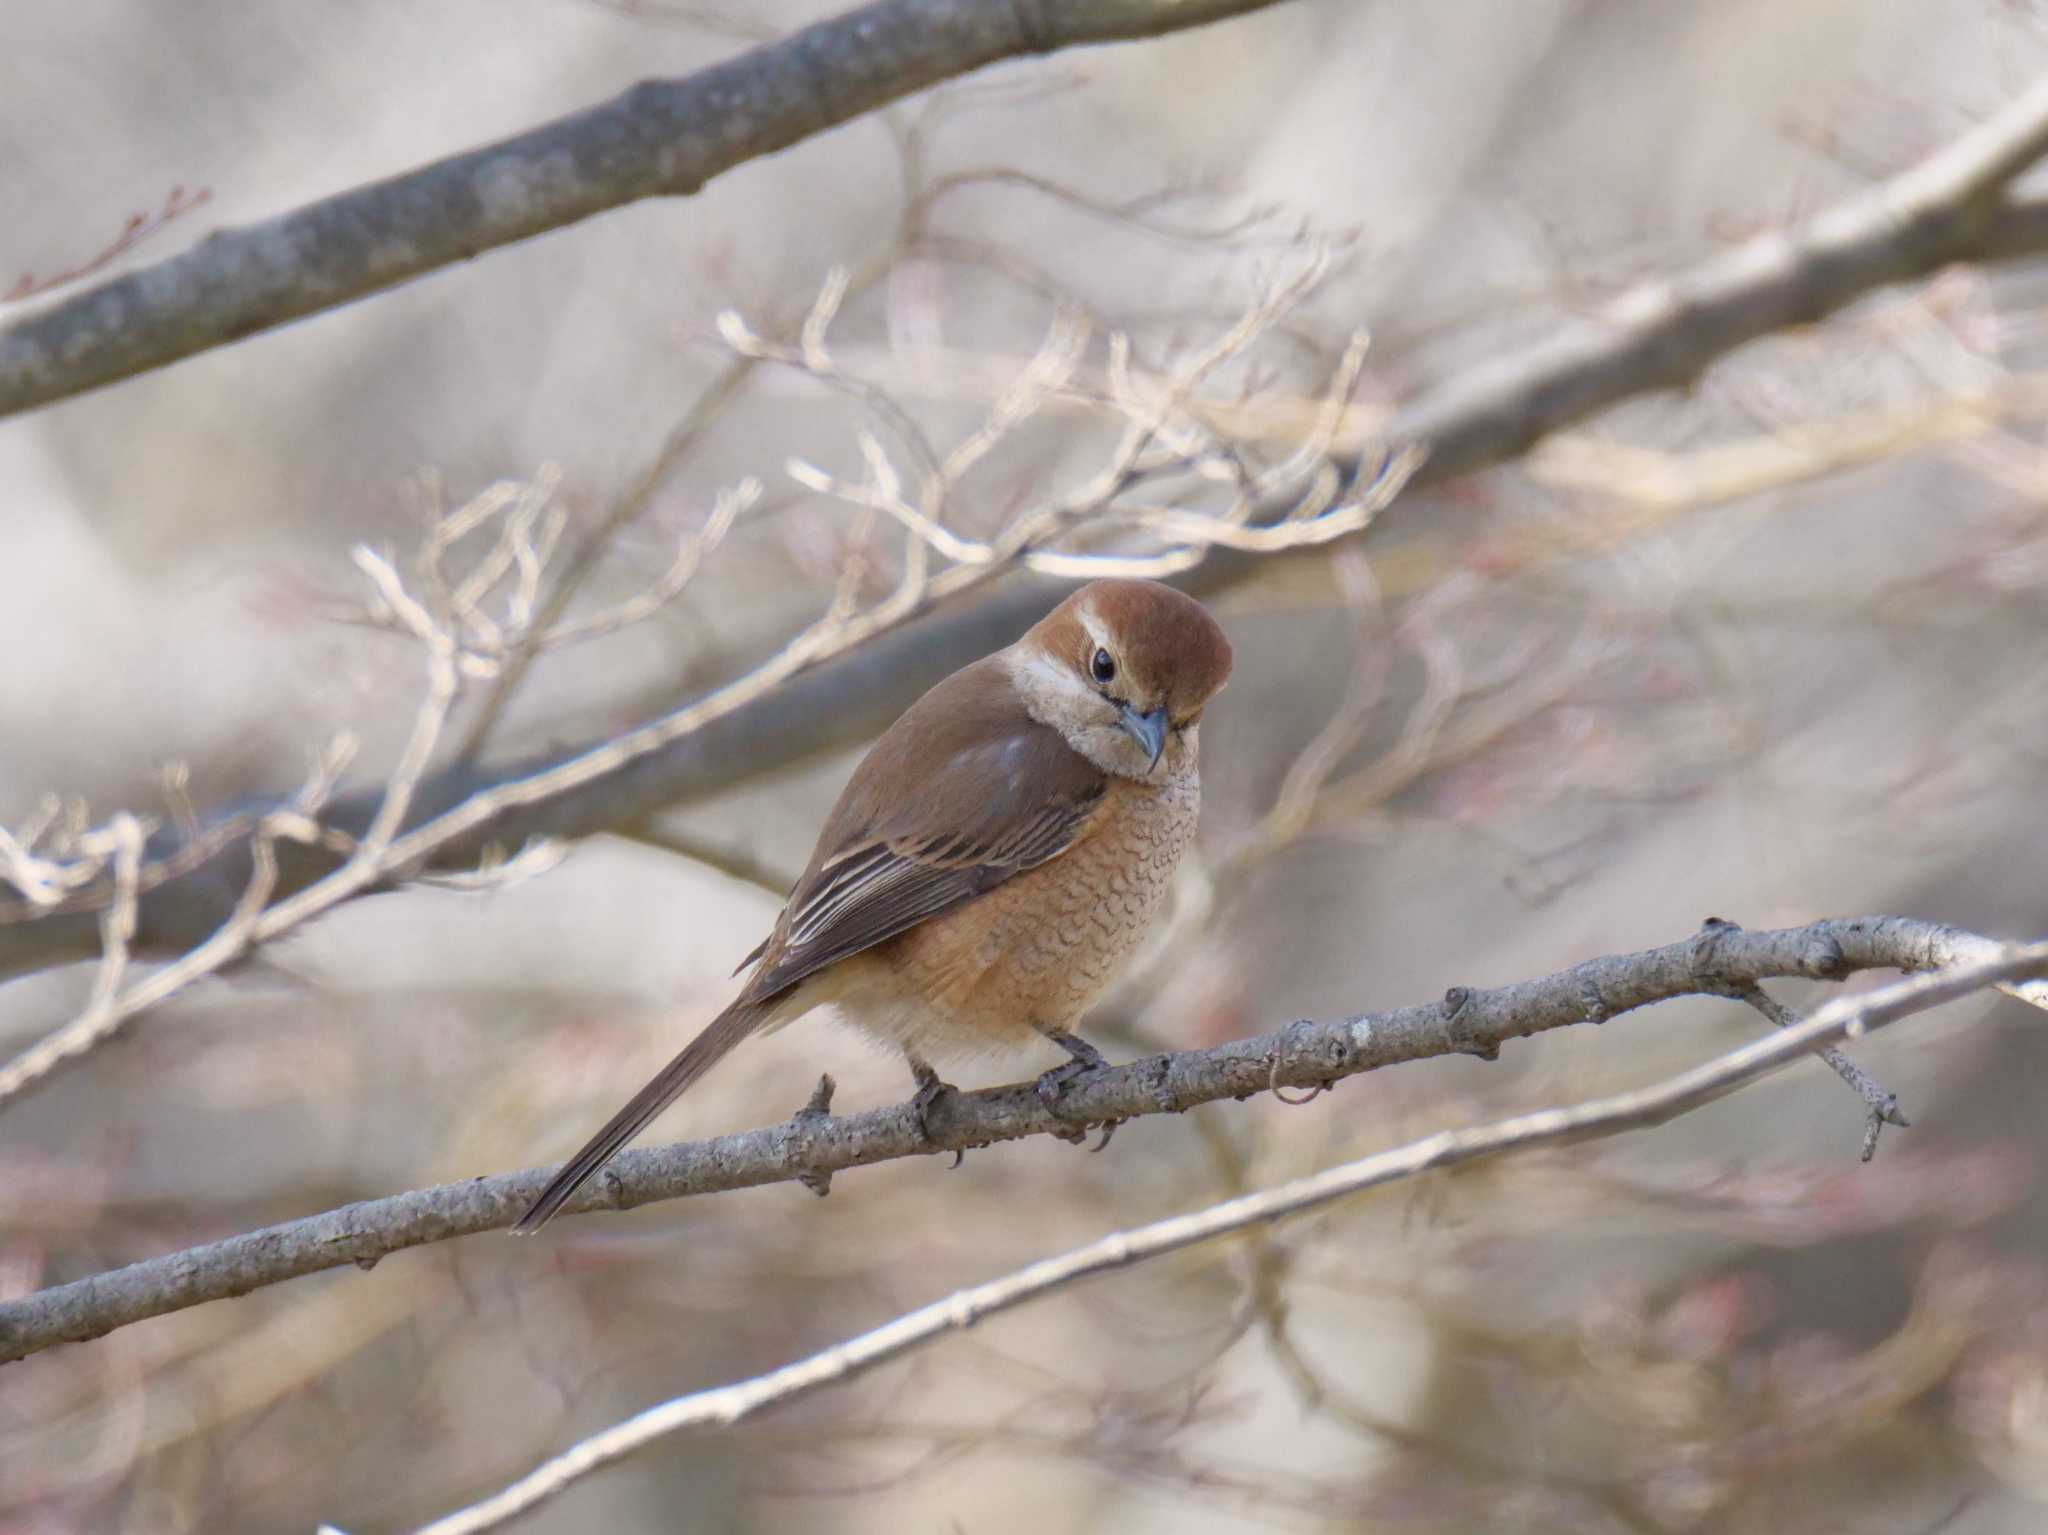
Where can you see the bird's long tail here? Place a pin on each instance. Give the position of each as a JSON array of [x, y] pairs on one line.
[[698, 1057]]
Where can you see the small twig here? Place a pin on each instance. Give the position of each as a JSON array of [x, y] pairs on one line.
[[733, 862], [494, 871], [730, 506], [368, 860], [1169, 433], [1880, 1105], [138, 228], [1134, 212], [106, 1013]]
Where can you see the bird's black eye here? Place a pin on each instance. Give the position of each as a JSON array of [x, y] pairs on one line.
[[1103, 667]]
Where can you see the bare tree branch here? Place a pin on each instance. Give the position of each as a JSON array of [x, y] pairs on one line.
[[661, 138], [471, 626], [1660, 333], [812, 1146], [1951, 207], [1842, 1019], [1880, 1105]]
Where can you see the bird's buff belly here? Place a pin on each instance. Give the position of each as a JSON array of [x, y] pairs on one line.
[[1031, 956]]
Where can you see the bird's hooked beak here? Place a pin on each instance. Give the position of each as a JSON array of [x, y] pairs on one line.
[[1148, 730]]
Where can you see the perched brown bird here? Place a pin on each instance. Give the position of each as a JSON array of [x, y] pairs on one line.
[[995, 859]]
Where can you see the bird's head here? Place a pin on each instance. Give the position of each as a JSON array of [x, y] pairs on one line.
[[1123, 669]]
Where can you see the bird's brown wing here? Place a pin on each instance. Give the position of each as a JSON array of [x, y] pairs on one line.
[[963, 792]]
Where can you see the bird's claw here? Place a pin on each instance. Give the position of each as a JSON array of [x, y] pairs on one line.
[[819, 1107], [1085, 1058], [1052, 1086], [930, 1089]]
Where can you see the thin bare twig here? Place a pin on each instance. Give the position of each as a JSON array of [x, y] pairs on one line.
[[1170, 433], [460, 639], [1881, 1104], [139, 227]]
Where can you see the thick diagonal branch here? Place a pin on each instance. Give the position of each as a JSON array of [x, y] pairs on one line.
[[661, 138]]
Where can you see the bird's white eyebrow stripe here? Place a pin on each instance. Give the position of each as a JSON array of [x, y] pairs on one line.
[[1086, 614], [1054, 676]]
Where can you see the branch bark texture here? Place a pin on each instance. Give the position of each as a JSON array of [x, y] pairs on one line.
[[661, 138], [810, 1147]]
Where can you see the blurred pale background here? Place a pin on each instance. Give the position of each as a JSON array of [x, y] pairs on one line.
[[1824, 697]]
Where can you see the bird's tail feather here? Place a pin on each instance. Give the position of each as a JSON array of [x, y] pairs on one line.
[[697, 1057]]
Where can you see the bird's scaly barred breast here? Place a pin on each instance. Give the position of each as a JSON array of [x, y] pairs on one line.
[[1031, 956]]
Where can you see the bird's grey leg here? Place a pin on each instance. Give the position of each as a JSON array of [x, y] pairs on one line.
[[1053, 1084], [930, 1089], [819, 1108]]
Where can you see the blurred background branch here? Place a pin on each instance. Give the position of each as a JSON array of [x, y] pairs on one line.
[[661, 138]]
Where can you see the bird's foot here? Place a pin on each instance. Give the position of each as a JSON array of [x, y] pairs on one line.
[[819, 1107], [930, 1089], [1052, 1085]]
